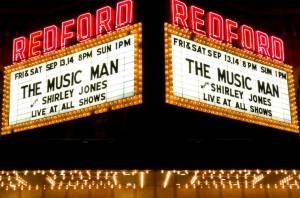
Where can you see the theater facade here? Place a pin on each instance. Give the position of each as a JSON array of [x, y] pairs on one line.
[[132, 98]]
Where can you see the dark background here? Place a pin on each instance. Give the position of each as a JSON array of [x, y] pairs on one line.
[[154, 134]]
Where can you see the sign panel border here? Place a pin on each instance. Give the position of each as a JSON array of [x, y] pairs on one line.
[[221, 111], [135, 30]]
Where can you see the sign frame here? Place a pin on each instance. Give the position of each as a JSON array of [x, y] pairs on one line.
[[171, 99], [136, 99]]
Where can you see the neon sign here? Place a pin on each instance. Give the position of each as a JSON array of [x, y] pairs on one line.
[[85, 27], [88, 65], [215, 27], [99, 75]]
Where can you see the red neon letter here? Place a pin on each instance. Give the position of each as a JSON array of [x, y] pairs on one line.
[[214, 26], [277, 48], [124, 15], [35, 44], [195, 21], [20, 48], [51, 38], [66, 34], [85, 27], [246, 38], [179, 13], [105, 19], [262, 43], [229, 35]]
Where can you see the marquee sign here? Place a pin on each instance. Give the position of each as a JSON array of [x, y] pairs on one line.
[[209, 76], [95, 76], [214, 26], [86, 26]]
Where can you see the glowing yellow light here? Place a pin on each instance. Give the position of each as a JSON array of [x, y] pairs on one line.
[[142, 175], [21, 181], [194, 178], [166, 182], [50, 180], [115, 178]]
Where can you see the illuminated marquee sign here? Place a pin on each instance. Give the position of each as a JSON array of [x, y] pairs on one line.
[[213, 77], [101, 74], [85, 27], [215, 27]]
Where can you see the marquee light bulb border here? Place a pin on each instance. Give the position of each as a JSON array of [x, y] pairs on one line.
[[132, 180], [135, 30], [220, 111]]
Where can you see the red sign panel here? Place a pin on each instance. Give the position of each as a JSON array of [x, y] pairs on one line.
[[216, 27]]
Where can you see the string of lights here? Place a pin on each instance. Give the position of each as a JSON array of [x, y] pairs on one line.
[[140, 179]]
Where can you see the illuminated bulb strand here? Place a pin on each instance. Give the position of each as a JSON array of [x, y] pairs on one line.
[[115, 178], [86, 179], [194, 178], [142, 179], [166, 182], [50, 181], [21, 181], [285, 180], [257, 179]]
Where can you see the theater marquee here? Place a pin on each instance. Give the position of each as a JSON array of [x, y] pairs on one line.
[[214, 77], [92, 77]]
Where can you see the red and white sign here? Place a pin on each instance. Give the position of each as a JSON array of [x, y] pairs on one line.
[[85, 27], [214, 26]]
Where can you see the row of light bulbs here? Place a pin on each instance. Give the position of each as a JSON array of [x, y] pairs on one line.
[[138, 179]]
